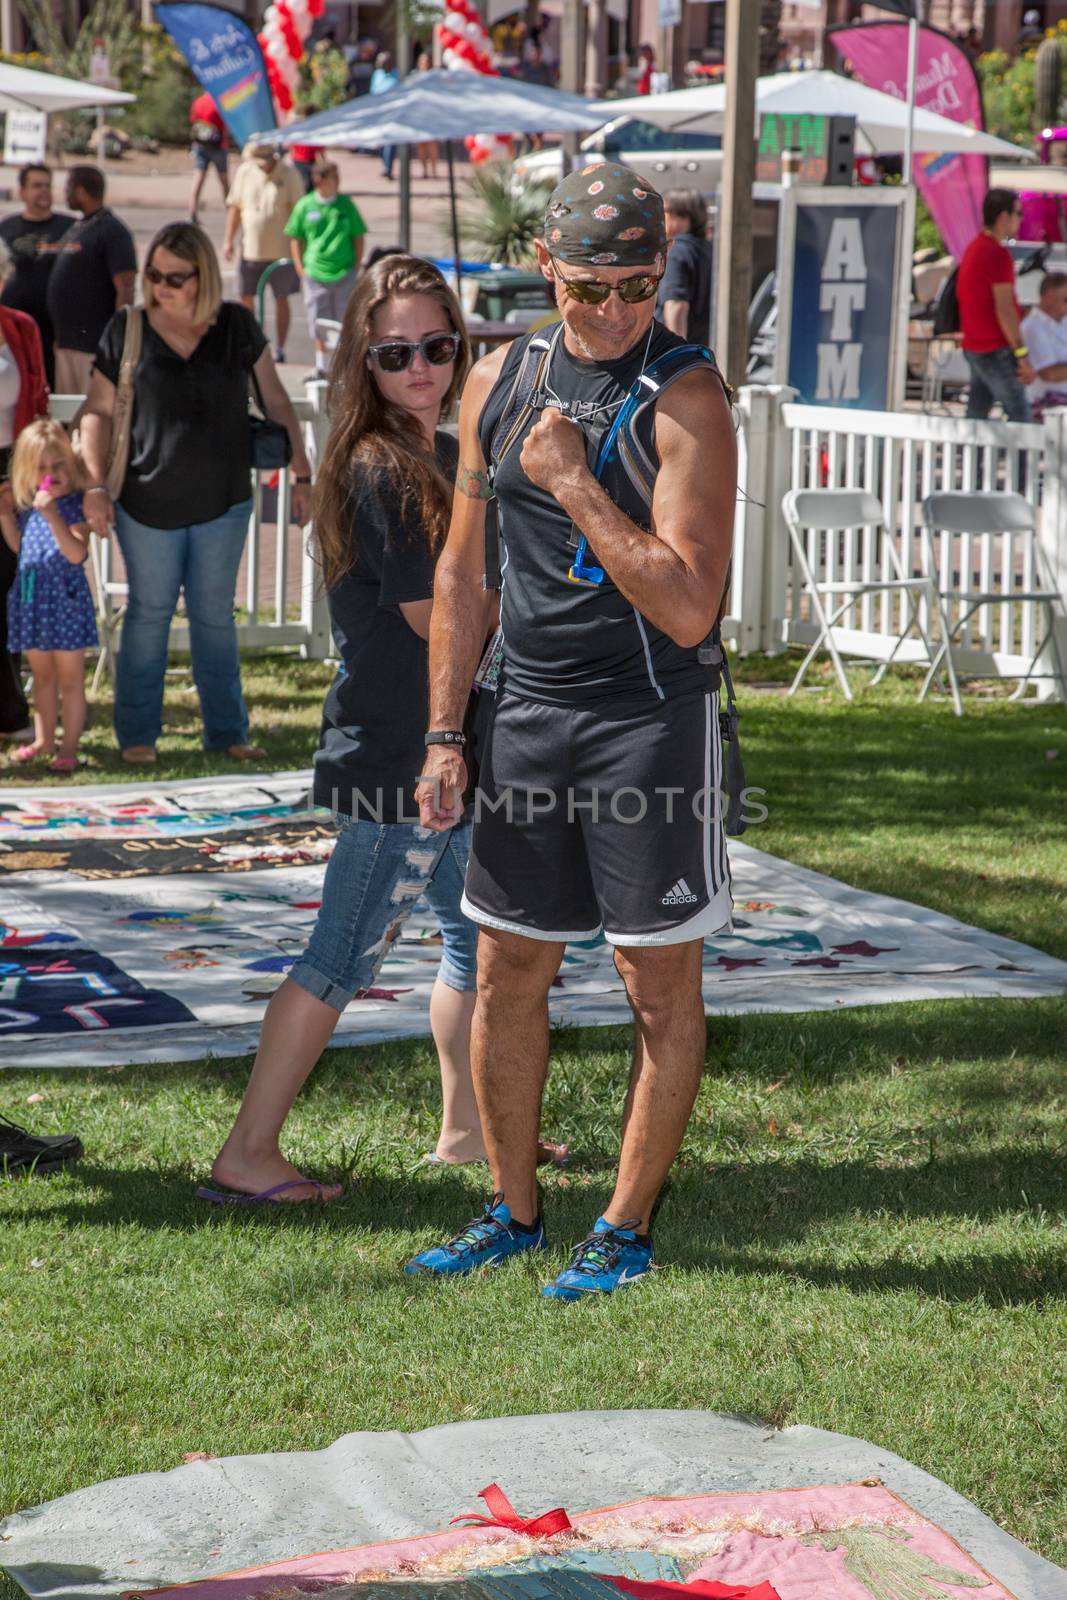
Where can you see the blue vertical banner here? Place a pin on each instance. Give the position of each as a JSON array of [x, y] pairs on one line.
[[227, 61], [844, 304]]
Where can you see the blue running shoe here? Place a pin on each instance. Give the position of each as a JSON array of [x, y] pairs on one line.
[[488, 1241], [607, 1260]]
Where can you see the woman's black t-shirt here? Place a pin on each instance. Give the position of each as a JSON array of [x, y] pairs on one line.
[[189, 446], [371, 747]]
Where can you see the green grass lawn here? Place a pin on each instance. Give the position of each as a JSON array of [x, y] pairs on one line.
[[864, 1231]]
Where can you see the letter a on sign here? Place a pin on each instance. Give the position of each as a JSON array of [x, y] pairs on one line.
[[844, 256]]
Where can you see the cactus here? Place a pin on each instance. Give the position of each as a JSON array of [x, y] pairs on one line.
[[1048, 67]]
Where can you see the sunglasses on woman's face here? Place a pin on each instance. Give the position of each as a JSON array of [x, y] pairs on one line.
[[396, 356], [173, 280], [591, 292]]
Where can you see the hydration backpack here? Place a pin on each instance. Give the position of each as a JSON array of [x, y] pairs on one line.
[[621, 443]]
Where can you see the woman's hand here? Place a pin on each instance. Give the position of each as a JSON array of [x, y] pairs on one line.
[[439, 791], [300, 503], [98, 512], [7, 499]]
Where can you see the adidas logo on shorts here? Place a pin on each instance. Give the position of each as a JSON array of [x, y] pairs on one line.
[[680, 895]]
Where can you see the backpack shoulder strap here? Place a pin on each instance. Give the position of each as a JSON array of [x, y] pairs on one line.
[[517, 407], [535, 359], [622, 438]]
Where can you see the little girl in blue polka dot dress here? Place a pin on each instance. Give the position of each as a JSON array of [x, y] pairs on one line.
[[49, 606]]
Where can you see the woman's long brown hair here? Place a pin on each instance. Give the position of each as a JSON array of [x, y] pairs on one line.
[[366, 430]]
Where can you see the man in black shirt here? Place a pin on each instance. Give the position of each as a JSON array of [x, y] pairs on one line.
[[94, 275], [31, 235], [597, 804], [684, 300]]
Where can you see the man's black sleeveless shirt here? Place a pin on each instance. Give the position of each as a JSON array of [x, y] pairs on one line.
[[565, 643]]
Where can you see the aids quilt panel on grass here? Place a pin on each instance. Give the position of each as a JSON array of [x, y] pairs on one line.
[[855, 1541], [153, 924]]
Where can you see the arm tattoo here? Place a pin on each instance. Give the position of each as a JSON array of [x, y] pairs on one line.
[[475, 485]]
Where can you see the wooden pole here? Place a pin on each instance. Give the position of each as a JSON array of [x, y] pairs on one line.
[[572, 66], [403, 67], [734, 226], [453, 211]]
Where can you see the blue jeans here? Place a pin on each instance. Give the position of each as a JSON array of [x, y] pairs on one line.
[[995, 376], [377, 872], [160, 563]]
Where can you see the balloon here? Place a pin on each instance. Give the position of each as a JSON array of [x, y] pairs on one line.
[[291, 39], [316, 7]]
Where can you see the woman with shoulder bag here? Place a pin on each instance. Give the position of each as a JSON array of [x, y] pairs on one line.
[[182, 510], [382, 503]]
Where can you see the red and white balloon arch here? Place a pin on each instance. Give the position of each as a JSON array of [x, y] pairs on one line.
[[286, 26], [465, 47]]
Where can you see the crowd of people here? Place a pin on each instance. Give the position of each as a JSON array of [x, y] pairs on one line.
[[69, 324]]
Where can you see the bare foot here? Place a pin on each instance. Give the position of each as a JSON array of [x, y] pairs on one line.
[[31, 752], [247, 1176], [461, 1148], [466, 1148]]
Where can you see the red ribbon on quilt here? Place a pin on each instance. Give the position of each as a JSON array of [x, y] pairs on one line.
[[699, 1588], [503, 1515]]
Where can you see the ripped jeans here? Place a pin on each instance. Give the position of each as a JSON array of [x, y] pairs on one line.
[[377, 873]]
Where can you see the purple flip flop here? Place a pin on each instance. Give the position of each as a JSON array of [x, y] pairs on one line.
[[225, 1197]]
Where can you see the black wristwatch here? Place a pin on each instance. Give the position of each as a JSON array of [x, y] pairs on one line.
[[446, 736]]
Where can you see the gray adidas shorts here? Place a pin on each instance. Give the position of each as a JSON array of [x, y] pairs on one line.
[[605, 816], [327, 299]]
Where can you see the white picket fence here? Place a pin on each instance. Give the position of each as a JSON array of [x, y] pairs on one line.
[[900, 458]]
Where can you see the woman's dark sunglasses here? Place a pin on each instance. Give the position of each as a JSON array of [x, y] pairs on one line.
[[592, 293], [396, 356], [173, 280]]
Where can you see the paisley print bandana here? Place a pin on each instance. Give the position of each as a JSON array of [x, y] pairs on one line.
[[605, 215]]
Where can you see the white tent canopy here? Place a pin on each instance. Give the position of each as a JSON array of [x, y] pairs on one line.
[[22, 90], [447, 106], [881, 119]]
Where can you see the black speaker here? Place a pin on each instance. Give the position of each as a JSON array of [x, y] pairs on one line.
[[840, 150]]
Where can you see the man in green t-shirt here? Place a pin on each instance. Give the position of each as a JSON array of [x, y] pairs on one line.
[[326, 234]]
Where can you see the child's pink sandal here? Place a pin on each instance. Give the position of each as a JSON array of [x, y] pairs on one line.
[[63, 766], [27, 752]]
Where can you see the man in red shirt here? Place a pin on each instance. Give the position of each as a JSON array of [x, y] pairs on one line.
[[211, 148], [989, 314]]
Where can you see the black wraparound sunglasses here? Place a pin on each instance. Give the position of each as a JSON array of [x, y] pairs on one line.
[[398, 354], [173, 280], [590, 292]]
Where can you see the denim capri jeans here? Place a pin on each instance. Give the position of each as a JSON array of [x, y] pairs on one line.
[[376, 874]]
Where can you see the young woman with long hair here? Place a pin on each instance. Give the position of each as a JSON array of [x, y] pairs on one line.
[[381, 508]]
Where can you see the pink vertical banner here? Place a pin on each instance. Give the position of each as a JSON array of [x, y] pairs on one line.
[[953, 186]]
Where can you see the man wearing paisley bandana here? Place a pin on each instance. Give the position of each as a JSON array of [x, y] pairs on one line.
[[598, 791]]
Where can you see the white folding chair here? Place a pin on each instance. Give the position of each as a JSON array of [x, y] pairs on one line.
[[978, 521], [111, 599], [829, 513]]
